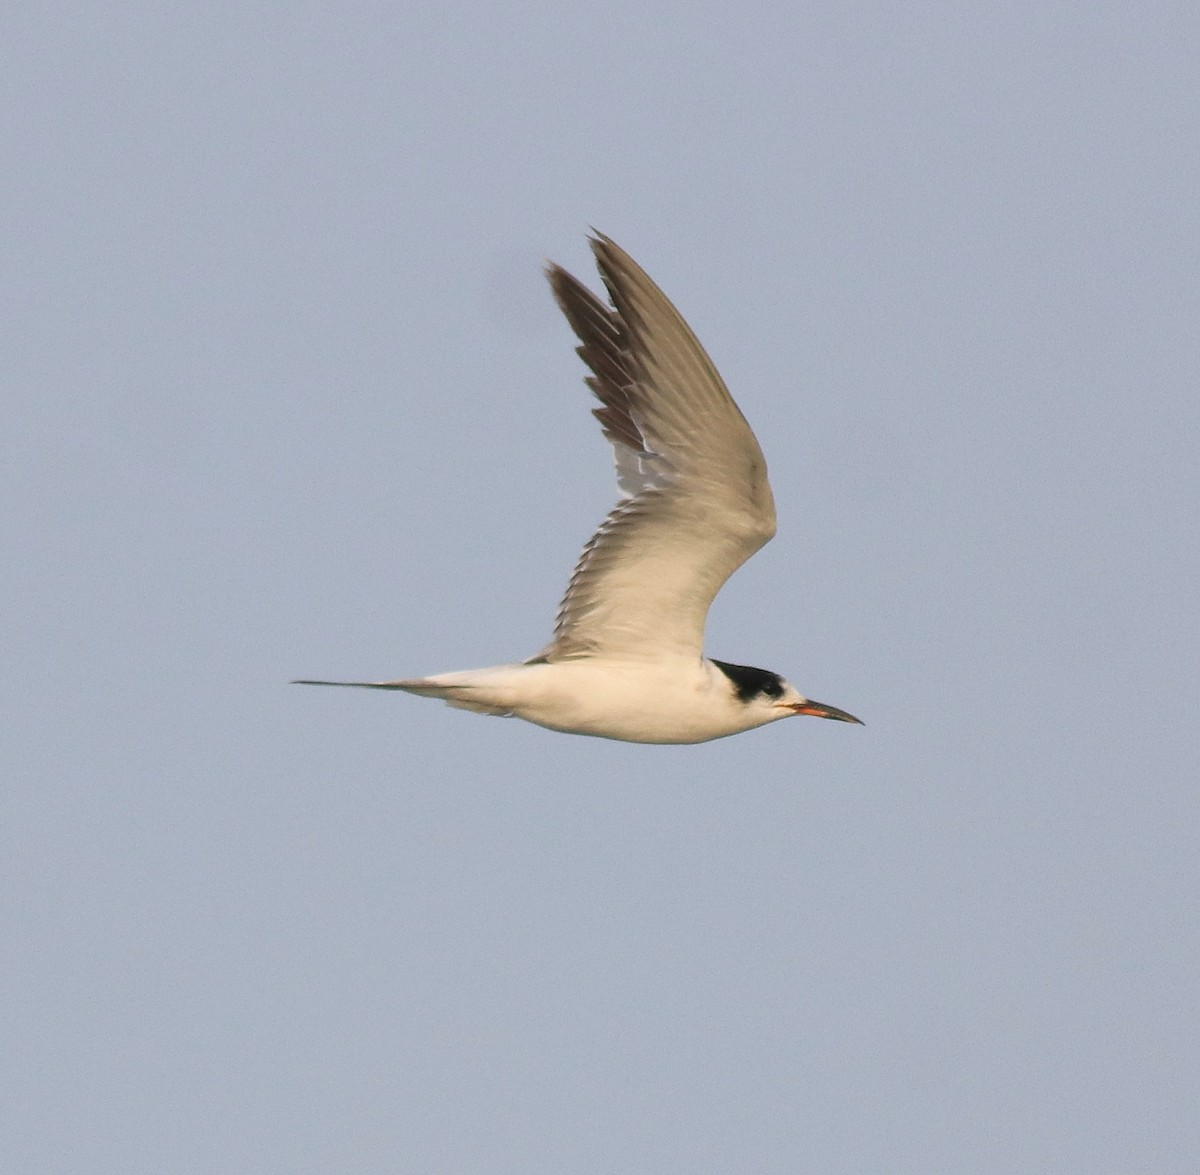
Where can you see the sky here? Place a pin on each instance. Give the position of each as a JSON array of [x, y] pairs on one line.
[[287, 396]]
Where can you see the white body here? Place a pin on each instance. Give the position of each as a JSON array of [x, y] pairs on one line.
[[665, 702]]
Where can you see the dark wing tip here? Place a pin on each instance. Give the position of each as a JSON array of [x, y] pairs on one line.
[[602, 346]]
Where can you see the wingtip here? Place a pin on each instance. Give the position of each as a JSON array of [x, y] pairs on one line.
[[601, 243]]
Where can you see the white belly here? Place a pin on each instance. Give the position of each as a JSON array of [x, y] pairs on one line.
[[674, 703]]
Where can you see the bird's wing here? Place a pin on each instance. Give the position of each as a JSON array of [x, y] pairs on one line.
[[696, 503]]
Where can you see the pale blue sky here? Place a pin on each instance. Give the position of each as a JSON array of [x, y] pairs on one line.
[[286, 396]]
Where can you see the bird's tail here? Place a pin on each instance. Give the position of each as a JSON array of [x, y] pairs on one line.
[[457, 693]]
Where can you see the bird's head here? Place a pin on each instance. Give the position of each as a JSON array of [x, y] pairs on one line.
[[769, 697]]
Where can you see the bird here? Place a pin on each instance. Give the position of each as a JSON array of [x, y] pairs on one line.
[[627, 661]]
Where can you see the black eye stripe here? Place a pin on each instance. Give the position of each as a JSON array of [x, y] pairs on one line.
[[751, 683]]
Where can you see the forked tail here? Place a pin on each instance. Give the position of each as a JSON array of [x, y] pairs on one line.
[[453, 693], [417, 685]]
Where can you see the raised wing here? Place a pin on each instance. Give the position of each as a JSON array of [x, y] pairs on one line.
[[696, 501]]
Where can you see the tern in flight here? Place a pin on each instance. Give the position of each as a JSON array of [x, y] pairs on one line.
[[627, 659]]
